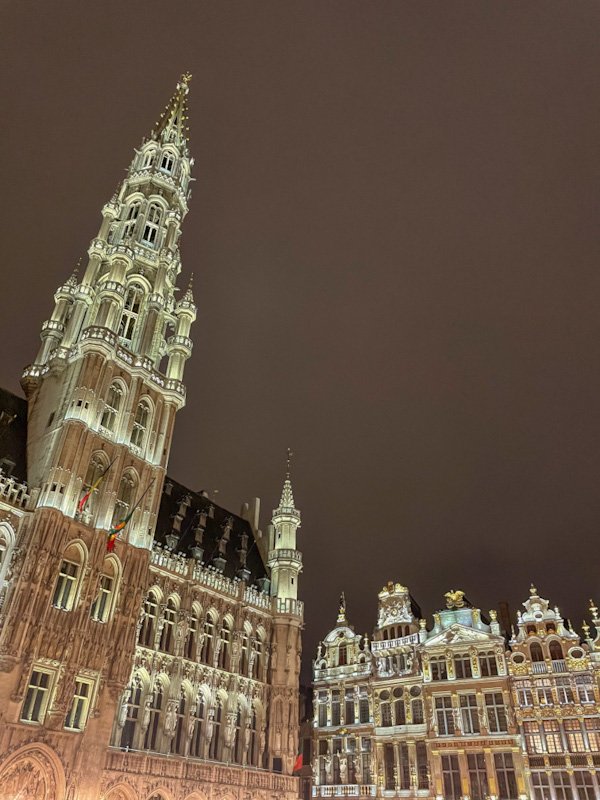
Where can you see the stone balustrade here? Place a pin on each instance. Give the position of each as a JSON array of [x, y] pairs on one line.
[[13, 491], [390, 644], [176, 771], [345, 790]]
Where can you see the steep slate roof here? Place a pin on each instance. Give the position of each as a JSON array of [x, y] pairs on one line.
[[13, 432], [173, 493]]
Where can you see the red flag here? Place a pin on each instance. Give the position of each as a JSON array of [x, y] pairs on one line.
[[298, 763]]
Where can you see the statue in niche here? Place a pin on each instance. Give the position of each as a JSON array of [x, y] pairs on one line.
[[243, 549], [122, 718], [171, 718]]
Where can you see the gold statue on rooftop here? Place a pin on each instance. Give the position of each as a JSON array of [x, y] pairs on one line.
[[455, 599]]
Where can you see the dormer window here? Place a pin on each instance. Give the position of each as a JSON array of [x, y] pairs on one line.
[[152, 225], [167, 162], [148, 159]]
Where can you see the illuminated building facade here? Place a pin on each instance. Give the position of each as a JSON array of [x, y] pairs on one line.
[[450, 711], [167, 666]]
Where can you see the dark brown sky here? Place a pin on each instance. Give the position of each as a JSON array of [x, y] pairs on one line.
[[394, 232]]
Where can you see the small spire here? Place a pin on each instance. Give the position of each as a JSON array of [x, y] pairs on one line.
[[532, 590], [171, 125], [341, 618], [586, 629], [593, 609], [188, 297], [287, 495]]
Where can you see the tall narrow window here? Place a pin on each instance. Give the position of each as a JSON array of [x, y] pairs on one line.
[[477, 776], [111, 408], [349, 707], [132, 215], [496, 712], [178, 741], [336, 713], [149, 613], [389, 766], [245, 653], [191, 642], [252, 749], [102, 604], [36, 699], [78, 713], [536, 652], [556, 653], [585, 785], [342, 655], [140, 424], [131, 310], [148, 159], [65, 591], [206, 653], [505, 774], [167, 638], [197, 740], [451, 777], [322, 715], [224, 649], [422, 766], [237, 738], [214, 747], [399, 707], [151, 738], [134, 704], [445, 718], [417, 712], [152, 225], [363, 709], [468, 712]]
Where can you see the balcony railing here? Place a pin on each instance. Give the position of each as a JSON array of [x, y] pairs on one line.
[[345, 790], [13, 491], [390, 644]]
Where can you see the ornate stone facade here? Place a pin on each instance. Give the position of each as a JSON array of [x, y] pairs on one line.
[[149, 639], [452, 711]]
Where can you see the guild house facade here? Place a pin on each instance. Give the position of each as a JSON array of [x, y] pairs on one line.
[[149, 639], [449, 710]]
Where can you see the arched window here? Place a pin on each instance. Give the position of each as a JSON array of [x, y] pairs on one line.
[[167, 162], [207, 644], [556, 653], [148, 628], [167, 637], [111, 407], [132, 215], [178, 741], [153, 219], [238, 738], [214, 747], [7, 541], [104, 601], [148, 159], [69, 577], [131, 310], [199, 715], [125, 498], [224, 649], [535, 651], [132, 717], [256, 670], [91, 485], [191, 642], [154, 709], [140, 424]]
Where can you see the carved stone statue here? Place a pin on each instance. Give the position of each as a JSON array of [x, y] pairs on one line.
[[123, 708], [171, 718], [146, 715], [343, 768]]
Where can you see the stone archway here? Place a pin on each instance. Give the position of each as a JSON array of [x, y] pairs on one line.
[[33, 772], [120, 792]]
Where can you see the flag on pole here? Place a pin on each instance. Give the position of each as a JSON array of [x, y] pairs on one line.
[[83, 502], [114, 532], [298, 764]]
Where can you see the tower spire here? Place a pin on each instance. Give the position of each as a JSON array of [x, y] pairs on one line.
[[284, 560], [172, 123]]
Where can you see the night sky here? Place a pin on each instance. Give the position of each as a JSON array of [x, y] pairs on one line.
[[394, 234]]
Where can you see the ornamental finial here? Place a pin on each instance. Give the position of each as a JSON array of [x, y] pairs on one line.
[[288, 462], [594, 609], [186, 78], [532, 590]]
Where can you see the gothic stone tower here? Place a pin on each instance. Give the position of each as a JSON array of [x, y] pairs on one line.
[[102, 397], [285, 562]]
